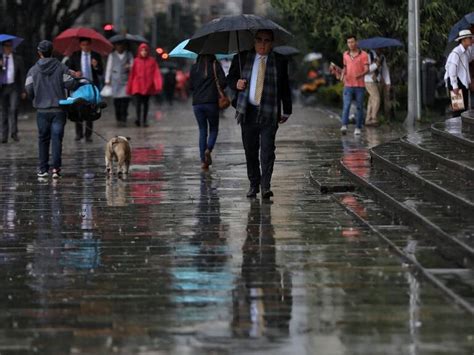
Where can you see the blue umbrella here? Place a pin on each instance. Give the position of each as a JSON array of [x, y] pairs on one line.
[[463, 24], [180, 52], [15, 40], [379, 42]]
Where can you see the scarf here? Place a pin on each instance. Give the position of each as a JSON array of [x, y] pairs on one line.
[[268, 109]]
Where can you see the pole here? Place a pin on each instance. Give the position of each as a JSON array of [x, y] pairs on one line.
[[418, 60], [414, 104], [118, 11]]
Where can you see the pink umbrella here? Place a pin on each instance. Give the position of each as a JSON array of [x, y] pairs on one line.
[[67, 42]]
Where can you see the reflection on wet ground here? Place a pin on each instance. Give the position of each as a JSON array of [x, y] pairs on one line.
[[174, 260]]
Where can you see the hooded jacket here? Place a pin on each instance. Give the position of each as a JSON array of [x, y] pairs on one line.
[[145, 76], [46, 83]]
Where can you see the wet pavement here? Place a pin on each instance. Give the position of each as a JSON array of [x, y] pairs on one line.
[[173, 260]]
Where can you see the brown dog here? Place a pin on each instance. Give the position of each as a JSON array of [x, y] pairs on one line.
[[118, 149]]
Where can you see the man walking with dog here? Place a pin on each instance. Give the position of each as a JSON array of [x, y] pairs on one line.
[[45, 85]]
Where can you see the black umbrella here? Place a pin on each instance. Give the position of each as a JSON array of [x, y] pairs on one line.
[[286, 50], [463, 24], [127, 38], [233, 34]]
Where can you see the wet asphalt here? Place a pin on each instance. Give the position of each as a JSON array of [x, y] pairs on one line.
[[176, 260]]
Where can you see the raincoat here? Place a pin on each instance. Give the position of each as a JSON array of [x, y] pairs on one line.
[[145, 76]]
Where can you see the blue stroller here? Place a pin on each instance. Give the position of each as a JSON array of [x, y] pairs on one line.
[[84, 104]]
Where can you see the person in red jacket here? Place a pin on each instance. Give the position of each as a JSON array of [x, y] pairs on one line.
[[144, 81]]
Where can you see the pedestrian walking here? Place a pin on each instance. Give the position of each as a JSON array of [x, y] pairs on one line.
[[205, 77], [356, 65], [262, 88], [86, 64], [45, 85], [12, 78], [458, 77], [169, 86], [376, 82], [117, 70], [144, 81]]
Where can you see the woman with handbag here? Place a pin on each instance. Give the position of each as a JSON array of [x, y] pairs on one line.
[[207, 82]]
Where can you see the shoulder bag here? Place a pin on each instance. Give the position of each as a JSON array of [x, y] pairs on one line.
[[224, 101]]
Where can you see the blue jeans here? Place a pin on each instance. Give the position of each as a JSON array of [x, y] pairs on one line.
[[350, 93], [207, 115], [50, 128]]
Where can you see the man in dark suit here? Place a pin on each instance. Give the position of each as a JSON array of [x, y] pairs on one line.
[[86, 64], [12, 78], [262, 88]]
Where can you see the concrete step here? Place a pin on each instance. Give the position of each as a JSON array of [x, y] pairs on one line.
[[467, 119], [413, 247], [451, 131], [432, 176], [455, 157], [449, 228]]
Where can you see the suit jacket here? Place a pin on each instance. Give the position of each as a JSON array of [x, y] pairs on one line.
[[283, 84], [74, 63], [19, 72]]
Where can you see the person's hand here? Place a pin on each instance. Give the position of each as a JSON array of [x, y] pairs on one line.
[[456, 91], [94, 63], [107, 83], [76, 74], [241, 84], [23, 96], [283, 119]]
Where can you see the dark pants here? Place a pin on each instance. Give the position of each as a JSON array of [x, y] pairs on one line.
[[141, 101], [258, 138], [121, 108], [80, 132], [207, 115], [465, 94], [9, 102], [50, 129]]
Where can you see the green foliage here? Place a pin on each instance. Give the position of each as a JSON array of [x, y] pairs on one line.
[[330, 95], [171, 31], [325, 23]]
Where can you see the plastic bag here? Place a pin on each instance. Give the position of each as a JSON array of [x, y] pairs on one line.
[[106, 91]]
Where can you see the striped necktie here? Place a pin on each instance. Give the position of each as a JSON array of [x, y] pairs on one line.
[[260, 79]]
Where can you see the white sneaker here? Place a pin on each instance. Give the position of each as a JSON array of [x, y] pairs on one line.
[[343, 129], [357, 132]]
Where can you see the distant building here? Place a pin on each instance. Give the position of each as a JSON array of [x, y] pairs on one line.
[[136, 16]]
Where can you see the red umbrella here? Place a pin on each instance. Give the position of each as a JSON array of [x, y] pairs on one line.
[[67, 42]]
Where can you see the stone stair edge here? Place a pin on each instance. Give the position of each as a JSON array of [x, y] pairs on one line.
[[416, 148], [408, 214], [467, 206]]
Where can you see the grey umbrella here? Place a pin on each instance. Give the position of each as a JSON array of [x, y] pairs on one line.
[[286, 50], [233, 34], [128, 38]]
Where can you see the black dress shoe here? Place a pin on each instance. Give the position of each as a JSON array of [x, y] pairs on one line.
[[15, 137], [78, 138], [253, 191], [267, 193], [5, 140]]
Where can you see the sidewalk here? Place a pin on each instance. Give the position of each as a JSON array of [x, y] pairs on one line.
[[174, 260]]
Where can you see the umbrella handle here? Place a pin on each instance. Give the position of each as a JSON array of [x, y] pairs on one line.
[[238, 52]]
